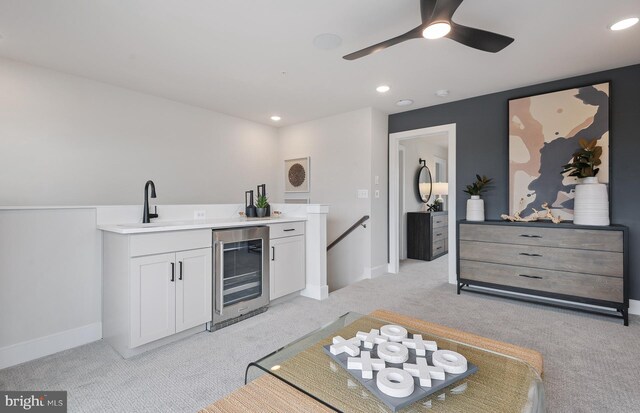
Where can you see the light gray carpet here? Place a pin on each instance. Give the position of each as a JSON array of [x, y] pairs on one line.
[[592, 363]]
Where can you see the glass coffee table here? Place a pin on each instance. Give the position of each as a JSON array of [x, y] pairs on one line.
[[501, 384]]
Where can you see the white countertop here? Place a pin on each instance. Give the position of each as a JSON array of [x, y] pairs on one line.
[[160, 226]]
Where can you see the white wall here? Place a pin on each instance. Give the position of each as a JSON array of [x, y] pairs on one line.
[[342, 155], [67, 140], [414, 150], [379, 206]]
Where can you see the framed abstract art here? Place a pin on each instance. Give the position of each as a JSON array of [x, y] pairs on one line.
[[544, 131]]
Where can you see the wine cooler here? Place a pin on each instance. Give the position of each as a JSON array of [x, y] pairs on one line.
[[241, 274]]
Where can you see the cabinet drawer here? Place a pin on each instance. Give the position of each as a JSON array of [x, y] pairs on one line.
[[438, 247], [602, 240], [561, 259], [440, 221], [568, 283], [170, 241], [287, 229], [439, 234]]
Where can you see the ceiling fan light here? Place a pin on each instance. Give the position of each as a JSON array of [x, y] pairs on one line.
[[436, 30], [624, 24]]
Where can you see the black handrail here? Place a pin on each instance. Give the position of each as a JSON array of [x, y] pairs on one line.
[[361, 221]]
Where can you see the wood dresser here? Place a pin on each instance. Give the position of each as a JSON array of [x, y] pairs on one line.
[[581, 264], [427, 235]]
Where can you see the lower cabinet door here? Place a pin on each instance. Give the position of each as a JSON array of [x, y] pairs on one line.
[[153, 298], [287, 266], [193, 288]]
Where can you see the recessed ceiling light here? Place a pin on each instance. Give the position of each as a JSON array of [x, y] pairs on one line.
[[327, 41], [383, 89], [275, 118], [436, 30], [624, 24], [443, 93], [404, 102]]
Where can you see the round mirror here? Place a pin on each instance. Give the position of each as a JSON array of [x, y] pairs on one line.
[[424, 184]]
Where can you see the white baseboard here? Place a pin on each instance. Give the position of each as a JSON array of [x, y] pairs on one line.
[[634, 307], [44, 346], [375, 271], [317, 292]]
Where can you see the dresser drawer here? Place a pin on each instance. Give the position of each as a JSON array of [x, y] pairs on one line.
[[439, 221], [438, 247], [550, 237], [560, 259], [287, 229], [439, 234], [559, 282]]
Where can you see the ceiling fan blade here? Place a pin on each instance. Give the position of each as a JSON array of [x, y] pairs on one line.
[[444, 9], [411, 34], [478, 39], [426, 9]]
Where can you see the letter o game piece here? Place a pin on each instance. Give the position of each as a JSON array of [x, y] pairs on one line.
[[393, 352], [450, 361], [393, 332], [395, 382]]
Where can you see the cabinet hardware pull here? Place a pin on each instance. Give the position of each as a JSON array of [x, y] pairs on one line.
[[530, 255], [273, 253], [530, 236], [180, 275], [289, 229], [437, 235], [530, 276], [173, 272]]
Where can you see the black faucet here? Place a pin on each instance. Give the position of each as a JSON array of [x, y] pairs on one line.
[[146, 216]]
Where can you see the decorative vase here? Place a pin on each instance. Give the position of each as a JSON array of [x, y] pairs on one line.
[[591, 203], [262, 212], [475, 208]]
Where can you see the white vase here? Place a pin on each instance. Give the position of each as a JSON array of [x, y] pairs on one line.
[[475, 208], [591, 203]]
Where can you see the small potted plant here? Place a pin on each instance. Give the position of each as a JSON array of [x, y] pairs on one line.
[[591, 201], [475, 205], [262, 203]]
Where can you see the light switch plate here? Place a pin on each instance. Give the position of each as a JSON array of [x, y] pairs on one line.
[[377, 193], [201, 214], [363, 193]]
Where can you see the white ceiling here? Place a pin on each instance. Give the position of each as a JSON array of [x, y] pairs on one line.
[[229, 55]]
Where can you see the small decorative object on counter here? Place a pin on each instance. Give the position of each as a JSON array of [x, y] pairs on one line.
[[262, 204], [262, 191], [548, 214], [475, 205], [249, 208], [591, 201]]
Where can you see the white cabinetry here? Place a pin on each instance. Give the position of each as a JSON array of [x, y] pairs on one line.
[[287, 260], [155, 285]]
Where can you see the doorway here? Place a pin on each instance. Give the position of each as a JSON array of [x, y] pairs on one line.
[[396, 234]]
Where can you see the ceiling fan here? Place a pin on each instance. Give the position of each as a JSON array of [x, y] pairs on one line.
[[436, 23]]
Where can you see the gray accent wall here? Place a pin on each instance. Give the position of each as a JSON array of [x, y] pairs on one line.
[[482, 146]]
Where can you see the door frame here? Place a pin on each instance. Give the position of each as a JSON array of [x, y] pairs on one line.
[[401, 204], [394, 141]]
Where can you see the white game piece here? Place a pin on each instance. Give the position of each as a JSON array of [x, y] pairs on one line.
[[450, 361], [395, 382], [340, 345], [393, 332], [366, 364], [393, 352], [371, 338], [421, 346], [424, 371]]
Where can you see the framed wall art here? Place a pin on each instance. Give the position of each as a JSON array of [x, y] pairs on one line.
[[296, 175], [544, 132]]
